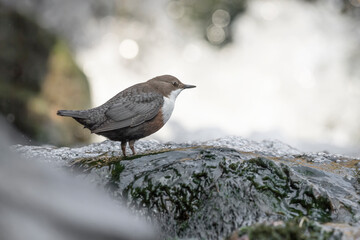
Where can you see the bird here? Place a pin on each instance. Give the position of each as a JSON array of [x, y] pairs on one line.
[[134, 113]]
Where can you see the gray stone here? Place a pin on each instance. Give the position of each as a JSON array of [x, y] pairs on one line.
[[206, 190]]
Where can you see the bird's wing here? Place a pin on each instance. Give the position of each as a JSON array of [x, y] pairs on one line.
[[131, 110]]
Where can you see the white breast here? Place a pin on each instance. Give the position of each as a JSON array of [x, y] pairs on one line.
[[169, 103]]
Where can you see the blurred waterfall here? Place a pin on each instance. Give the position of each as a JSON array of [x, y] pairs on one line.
[[286, 74], [291, 71]]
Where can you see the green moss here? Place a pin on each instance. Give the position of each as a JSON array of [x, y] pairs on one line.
[[132, 157], [183, 198], [87, 164], [191, 192], [117, 169], [186, 197], [207, 155], [274, 180], [234, 166], [357, 175], [296, 229]]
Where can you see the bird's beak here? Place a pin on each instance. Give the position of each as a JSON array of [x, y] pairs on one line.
[[188, 86]]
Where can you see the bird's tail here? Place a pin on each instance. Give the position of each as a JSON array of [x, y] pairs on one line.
[[71, 113], [81, 116]]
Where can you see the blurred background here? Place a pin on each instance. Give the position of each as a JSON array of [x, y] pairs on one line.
[[279, 69]]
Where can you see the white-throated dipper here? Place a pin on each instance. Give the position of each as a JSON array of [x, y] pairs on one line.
[[134, 113]]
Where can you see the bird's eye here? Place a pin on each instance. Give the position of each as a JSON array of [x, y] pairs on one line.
[[175, 84]]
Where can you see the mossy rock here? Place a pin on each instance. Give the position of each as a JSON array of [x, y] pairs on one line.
[[194, 191], [38, 76], [208, 192], [294, 229]]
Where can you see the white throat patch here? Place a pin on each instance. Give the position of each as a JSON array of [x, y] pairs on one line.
[[169, 103]]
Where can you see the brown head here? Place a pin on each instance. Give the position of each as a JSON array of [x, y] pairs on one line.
[[167, 84]]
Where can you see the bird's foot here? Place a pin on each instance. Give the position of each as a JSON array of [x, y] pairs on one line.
[[123, 148], [131, 144]]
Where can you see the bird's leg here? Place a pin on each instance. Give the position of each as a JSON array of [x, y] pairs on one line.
[[123, 147], [131, 144]]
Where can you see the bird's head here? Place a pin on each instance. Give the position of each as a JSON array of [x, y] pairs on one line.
[[168, 85]]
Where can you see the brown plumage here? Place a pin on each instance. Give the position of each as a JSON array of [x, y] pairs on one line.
[[134, 113]]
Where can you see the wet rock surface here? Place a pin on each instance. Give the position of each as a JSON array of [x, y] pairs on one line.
[[216, 189]]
